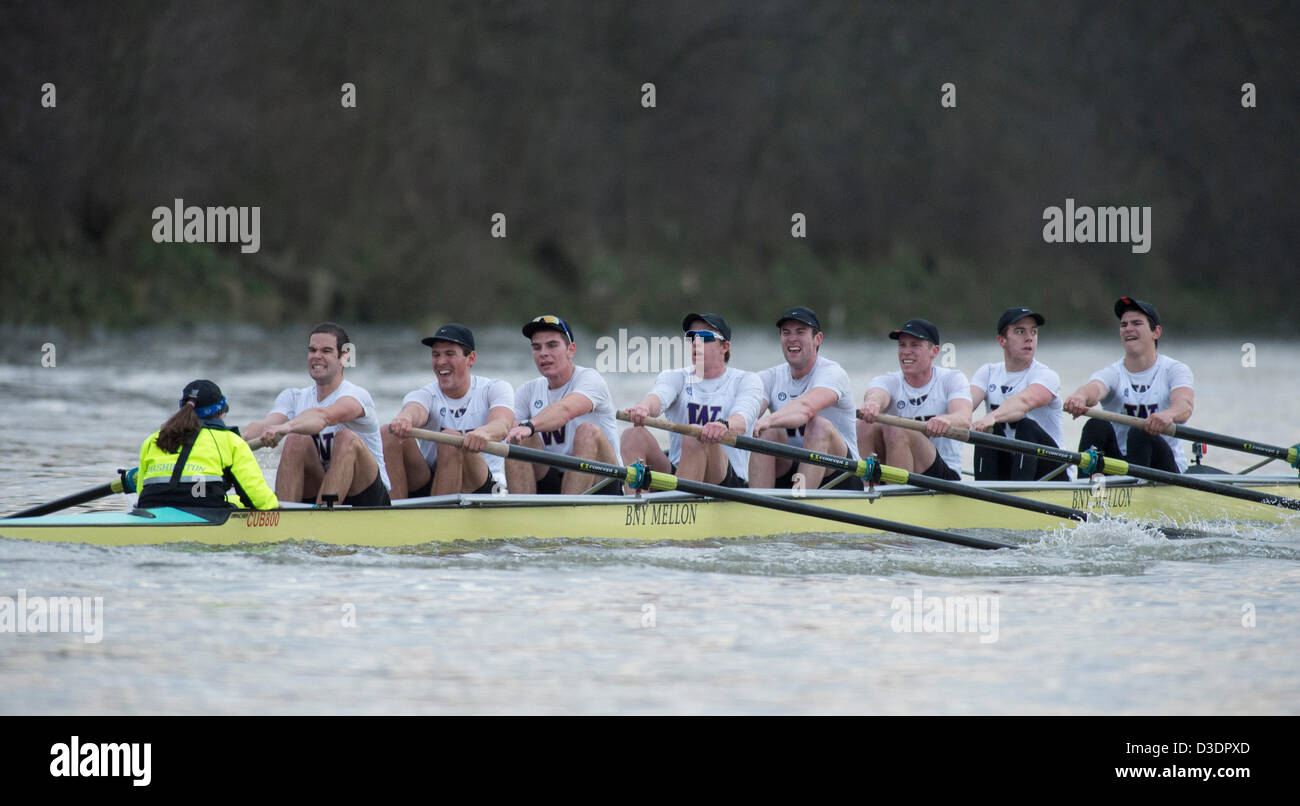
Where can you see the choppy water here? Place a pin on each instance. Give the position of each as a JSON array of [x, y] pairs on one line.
[[1102, 619]]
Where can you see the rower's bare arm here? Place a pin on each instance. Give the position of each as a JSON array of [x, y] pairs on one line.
[[1084, 398], [406, 419], [874, 402], [803, 408], [254, 429], [958, 416], [1014, 408], [977, 397], [648, 406], [559, 413], [315, 420], [1179, 411]]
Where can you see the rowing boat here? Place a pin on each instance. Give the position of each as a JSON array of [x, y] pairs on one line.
[[662, 516]]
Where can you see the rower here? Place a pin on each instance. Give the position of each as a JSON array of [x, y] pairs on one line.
[[332, 448], [1143, 384], [809, 405], [195, 460], [567, 411], [480, 408], [720, 399], [1023, 399], [938, 396]]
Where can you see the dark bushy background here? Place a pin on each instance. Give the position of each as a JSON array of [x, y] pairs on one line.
[[618, 213]]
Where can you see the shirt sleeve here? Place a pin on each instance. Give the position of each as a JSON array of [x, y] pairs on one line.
[[248, 473], [284, 404], [593, 387], [1045, 377], [522, 403], [981, 377], [1180, 375], [834, 379], [501, 395], [421, 396], [885, 382], [956, 387], [749, 400], [667, 387], [1109, 377]]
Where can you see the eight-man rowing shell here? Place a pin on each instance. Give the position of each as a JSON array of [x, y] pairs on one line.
[[657, 516]]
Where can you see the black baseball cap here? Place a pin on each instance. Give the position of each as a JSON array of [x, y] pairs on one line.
[[1129, 304], [453, 332], [548, 322], [920, 328], [205, 396], [712, 320], [801, 314], [1015, 315]]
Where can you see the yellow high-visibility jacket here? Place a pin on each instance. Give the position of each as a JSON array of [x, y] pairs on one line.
[[220, 463]]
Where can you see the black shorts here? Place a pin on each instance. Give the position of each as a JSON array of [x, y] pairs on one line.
[[376, 495], [427, 489], [786, 480], [550, 484], [939, 469], [729, 480]]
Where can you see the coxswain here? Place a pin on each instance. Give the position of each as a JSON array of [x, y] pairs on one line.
[[195, 460]]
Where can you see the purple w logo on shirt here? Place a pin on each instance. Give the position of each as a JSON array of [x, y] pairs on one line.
[[324, 446], [552, 437], [1141, 410], [700, 414]]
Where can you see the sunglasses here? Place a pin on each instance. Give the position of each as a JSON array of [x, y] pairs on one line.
[[704, 335], [550, 319]]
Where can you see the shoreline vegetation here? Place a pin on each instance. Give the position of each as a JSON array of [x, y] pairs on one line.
[[177, 284]]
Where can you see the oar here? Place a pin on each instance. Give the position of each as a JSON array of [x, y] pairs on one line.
[[114, 486], [641, 478], [1091, 463], [871, 471], [1289, 455]]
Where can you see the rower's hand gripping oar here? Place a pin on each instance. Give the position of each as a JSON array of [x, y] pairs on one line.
[[1289, 455], [1093, 462], [871, 471], [639, 477]]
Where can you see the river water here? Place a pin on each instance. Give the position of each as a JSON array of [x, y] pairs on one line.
[[1104, 619]]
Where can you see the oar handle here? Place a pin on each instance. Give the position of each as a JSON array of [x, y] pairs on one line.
[[455, 440], [676, 428], [257, 443], [1098, 413], [953, 432]]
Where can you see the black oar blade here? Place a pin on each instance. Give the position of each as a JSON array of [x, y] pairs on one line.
[[70, 500]]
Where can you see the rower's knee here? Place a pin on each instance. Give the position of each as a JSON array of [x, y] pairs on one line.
[[296, 447]]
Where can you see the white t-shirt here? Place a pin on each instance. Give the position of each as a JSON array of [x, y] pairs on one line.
[[292, 402], [685, 398], [536, 395], [780, 387], [463, 414], [1139, 394], [931, 400], [998, 385]]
